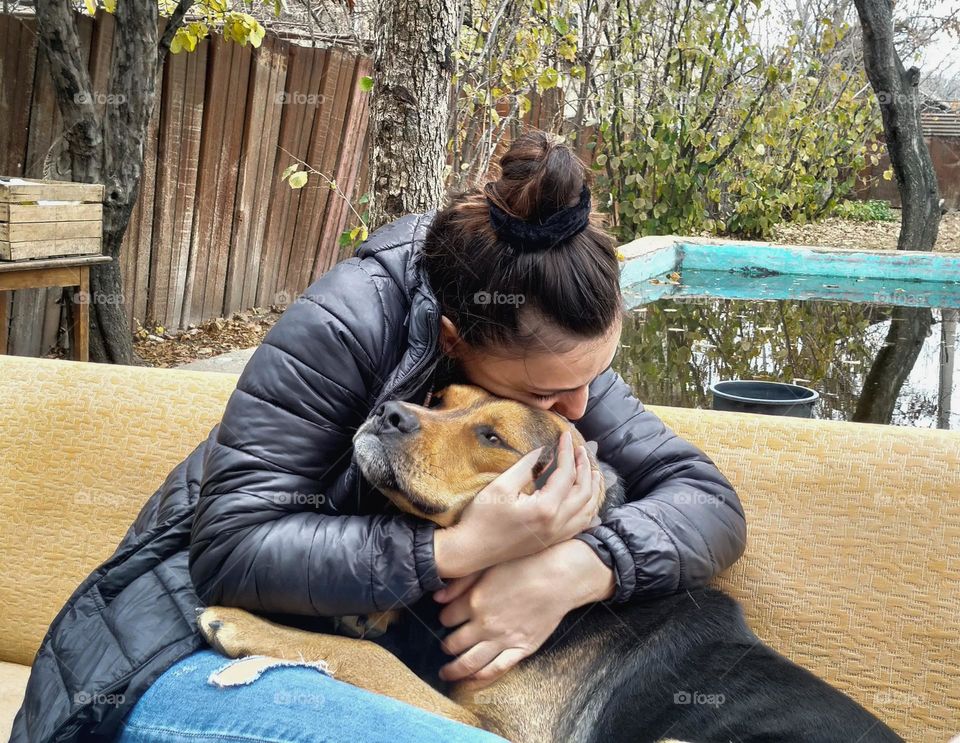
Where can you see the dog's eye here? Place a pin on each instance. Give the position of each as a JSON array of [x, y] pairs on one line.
[[489, 436]]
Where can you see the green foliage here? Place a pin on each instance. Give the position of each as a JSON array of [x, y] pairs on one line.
[[728, 138], [207, 16], [697, 122], [865, 211], [507, 54], [351, 237]]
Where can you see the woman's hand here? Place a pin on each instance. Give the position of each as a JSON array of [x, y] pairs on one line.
[[508, 611], [502, 523]]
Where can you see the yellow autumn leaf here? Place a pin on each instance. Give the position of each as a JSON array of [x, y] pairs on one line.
[[298, 179], [91, 7], [888, 174], [110, 6]]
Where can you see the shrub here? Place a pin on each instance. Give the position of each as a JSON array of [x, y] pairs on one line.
[[865, 211]]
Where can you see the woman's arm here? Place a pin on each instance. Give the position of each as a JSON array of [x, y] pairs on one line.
[[682, 522], [267, 535]]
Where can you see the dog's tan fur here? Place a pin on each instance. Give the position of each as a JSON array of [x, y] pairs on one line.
[[438, 470]]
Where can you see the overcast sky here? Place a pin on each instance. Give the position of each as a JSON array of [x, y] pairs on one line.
[[942, 55]]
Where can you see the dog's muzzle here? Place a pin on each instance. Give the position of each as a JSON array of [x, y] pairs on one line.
[[371, 444]]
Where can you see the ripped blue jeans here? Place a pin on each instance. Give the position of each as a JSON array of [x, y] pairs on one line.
[[287, 704]]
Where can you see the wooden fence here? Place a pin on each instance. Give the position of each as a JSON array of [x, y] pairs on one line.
[[214, 229], [945, 154]]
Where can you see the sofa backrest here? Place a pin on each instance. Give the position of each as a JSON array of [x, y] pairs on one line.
[[83, 447], [852, 567]]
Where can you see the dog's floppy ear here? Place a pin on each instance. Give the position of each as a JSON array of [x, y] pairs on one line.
[[614, 494], [546, 464]]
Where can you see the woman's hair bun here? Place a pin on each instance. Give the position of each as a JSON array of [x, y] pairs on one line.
[[539, 175], [529, 236]]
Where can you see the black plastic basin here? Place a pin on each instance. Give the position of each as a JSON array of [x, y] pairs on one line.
[[768, 398]]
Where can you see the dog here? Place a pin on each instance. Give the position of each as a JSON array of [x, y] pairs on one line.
[[683, 666]]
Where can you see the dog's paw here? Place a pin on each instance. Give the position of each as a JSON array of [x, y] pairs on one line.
[[231, 632]]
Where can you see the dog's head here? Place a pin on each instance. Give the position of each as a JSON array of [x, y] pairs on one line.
[[431, 462]]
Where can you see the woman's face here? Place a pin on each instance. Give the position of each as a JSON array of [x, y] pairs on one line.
[[550, 380]]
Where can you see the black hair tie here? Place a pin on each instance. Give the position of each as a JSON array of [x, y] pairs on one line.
[[527, 237]]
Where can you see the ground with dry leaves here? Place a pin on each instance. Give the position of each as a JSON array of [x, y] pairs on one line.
[[158, 347], [162, 348], [847, 233]]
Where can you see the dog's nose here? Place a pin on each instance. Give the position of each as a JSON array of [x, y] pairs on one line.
[[395, 418]]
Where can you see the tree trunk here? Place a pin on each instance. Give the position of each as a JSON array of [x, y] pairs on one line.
[[412, 69], [108, 151], [896, 91], [898, 95], [82, 129], [909, 327]]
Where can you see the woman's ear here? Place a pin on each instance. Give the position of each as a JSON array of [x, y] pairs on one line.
[[450, 342]]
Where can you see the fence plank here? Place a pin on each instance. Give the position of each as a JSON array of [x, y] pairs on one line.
[[308, 112], [17, 68], [338, 214], [325, 242], [283, 207], [217, 181], [327, 130], [178, 153], [268, 183], [228, 167], [257, 157], [17, 72]]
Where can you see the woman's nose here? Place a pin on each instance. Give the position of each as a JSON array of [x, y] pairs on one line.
[[572, 405]]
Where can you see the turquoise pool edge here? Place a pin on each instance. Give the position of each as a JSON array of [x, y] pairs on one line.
[[933, 278]]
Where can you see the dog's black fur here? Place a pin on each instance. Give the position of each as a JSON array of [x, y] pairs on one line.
[[686, 666]]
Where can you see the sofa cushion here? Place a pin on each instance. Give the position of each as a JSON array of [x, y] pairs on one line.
[[13, 682], [83, 447]]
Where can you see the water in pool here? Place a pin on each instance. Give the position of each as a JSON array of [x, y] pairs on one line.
[[673, 349]]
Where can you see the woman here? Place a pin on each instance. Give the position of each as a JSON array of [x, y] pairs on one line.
[[512, 288]]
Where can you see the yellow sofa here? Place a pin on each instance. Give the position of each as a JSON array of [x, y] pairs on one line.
[[852, 568]]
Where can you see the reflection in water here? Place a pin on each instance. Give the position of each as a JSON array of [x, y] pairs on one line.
[[672, 350]]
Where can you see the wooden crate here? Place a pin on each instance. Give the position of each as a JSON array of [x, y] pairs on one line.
[[47, 219]]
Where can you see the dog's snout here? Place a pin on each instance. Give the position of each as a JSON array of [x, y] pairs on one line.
[[394, 417]]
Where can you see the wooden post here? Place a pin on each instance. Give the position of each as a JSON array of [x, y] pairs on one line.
[[81, 317], [4, 320]]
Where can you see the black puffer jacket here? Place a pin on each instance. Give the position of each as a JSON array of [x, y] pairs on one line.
[[270, 512]]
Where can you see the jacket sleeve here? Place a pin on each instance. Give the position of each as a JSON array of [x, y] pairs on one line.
[[265, 536], [681, 522]]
